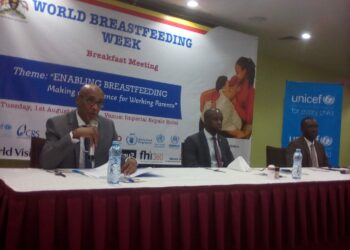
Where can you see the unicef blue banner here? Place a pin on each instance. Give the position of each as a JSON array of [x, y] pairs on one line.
[[321, 101]]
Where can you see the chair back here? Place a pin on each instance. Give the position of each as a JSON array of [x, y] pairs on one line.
[[36, 146], [276, 156]]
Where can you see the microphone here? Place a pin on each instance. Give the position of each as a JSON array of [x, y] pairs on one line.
[[93, 123]]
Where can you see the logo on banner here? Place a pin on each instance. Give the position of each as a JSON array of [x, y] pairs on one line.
[[5, 129], [13, 151], [13, 8], [328, 100], [24, 131], [174, 141], [326, 140], [132, 139], [129, 152], [5, 126], [311, 99], [160, 141], [151, 156]]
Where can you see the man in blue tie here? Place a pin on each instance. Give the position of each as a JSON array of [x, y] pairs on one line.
[[70, 137], [207, 148]]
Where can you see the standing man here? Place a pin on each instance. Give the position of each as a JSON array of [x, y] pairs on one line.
[[207, 148], [67, 135], [314, 154]]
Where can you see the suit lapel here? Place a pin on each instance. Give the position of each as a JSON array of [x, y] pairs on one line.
[[306, 149], [318, 152], [205, 147]]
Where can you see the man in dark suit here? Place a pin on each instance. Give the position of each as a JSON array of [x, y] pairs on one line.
[[207, 148], [313, 152], [67, 134]]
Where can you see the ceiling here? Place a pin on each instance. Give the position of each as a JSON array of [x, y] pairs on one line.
[[278, 25]]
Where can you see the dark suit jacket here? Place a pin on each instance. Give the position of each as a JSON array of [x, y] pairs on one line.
[[195, 151], [301, 143], [60, 152]]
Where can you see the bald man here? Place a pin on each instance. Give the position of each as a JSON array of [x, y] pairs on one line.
[[66, 134]]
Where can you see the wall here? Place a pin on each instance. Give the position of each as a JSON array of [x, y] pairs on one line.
[[272, 74]]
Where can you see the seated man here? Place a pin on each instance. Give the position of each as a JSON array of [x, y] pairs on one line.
[[67, 134], [314, 154], [207, 148]]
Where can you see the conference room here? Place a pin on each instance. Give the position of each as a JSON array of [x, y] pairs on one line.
[[179, 62]]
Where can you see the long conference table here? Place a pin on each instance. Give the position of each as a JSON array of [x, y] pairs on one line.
[[175, 208]]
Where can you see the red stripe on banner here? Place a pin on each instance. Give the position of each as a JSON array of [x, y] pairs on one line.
[[144, 15]]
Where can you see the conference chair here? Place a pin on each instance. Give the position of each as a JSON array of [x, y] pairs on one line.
[[276, 156], [36, 146]]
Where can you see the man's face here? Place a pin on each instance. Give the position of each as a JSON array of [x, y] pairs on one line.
[[89, 103], [214, 122], [310, 129]]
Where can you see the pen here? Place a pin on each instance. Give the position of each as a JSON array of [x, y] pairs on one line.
[[58, 172], [216, 170], [129, 179], [126, 179], [77, 171]]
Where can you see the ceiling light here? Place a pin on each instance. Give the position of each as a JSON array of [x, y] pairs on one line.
[[306, 36], [192, 4]]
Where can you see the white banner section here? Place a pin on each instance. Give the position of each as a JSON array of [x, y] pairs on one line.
[[152, 69]]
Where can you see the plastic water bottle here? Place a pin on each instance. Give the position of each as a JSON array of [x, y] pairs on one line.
[[297, 160], [114, 162]]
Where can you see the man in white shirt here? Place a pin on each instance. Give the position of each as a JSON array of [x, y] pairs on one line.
[[67, 134], [207, 148]]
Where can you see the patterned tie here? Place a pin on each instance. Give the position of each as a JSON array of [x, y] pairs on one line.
[[313, 155], [217, 152]]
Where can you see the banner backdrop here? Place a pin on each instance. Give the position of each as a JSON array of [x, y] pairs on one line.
[[151, 67], [321, 101]]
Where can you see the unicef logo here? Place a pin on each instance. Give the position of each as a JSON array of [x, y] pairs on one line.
[[131, 139], [326, 140], [328, 100], [160, 138], [175, 140]]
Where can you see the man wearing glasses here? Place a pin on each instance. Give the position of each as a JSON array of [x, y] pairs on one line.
[[69, 137]]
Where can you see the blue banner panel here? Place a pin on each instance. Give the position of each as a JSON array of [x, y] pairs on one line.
[[321, 101], [33, 81]]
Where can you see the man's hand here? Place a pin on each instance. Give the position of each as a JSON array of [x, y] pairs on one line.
[[86, 132], [129, 166]]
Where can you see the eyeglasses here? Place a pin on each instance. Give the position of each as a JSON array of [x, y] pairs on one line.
[[91, 102]]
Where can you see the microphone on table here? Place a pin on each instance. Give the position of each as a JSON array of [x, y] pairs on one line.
[[94, 124]]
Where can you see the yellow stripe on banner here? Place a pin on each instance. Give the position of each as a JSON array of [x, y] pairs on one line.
[[149, 14]]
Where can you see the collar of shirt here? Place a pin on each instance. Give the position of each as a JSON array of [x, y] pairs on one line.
[[309, 142], [209, 136], [80, 121]]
